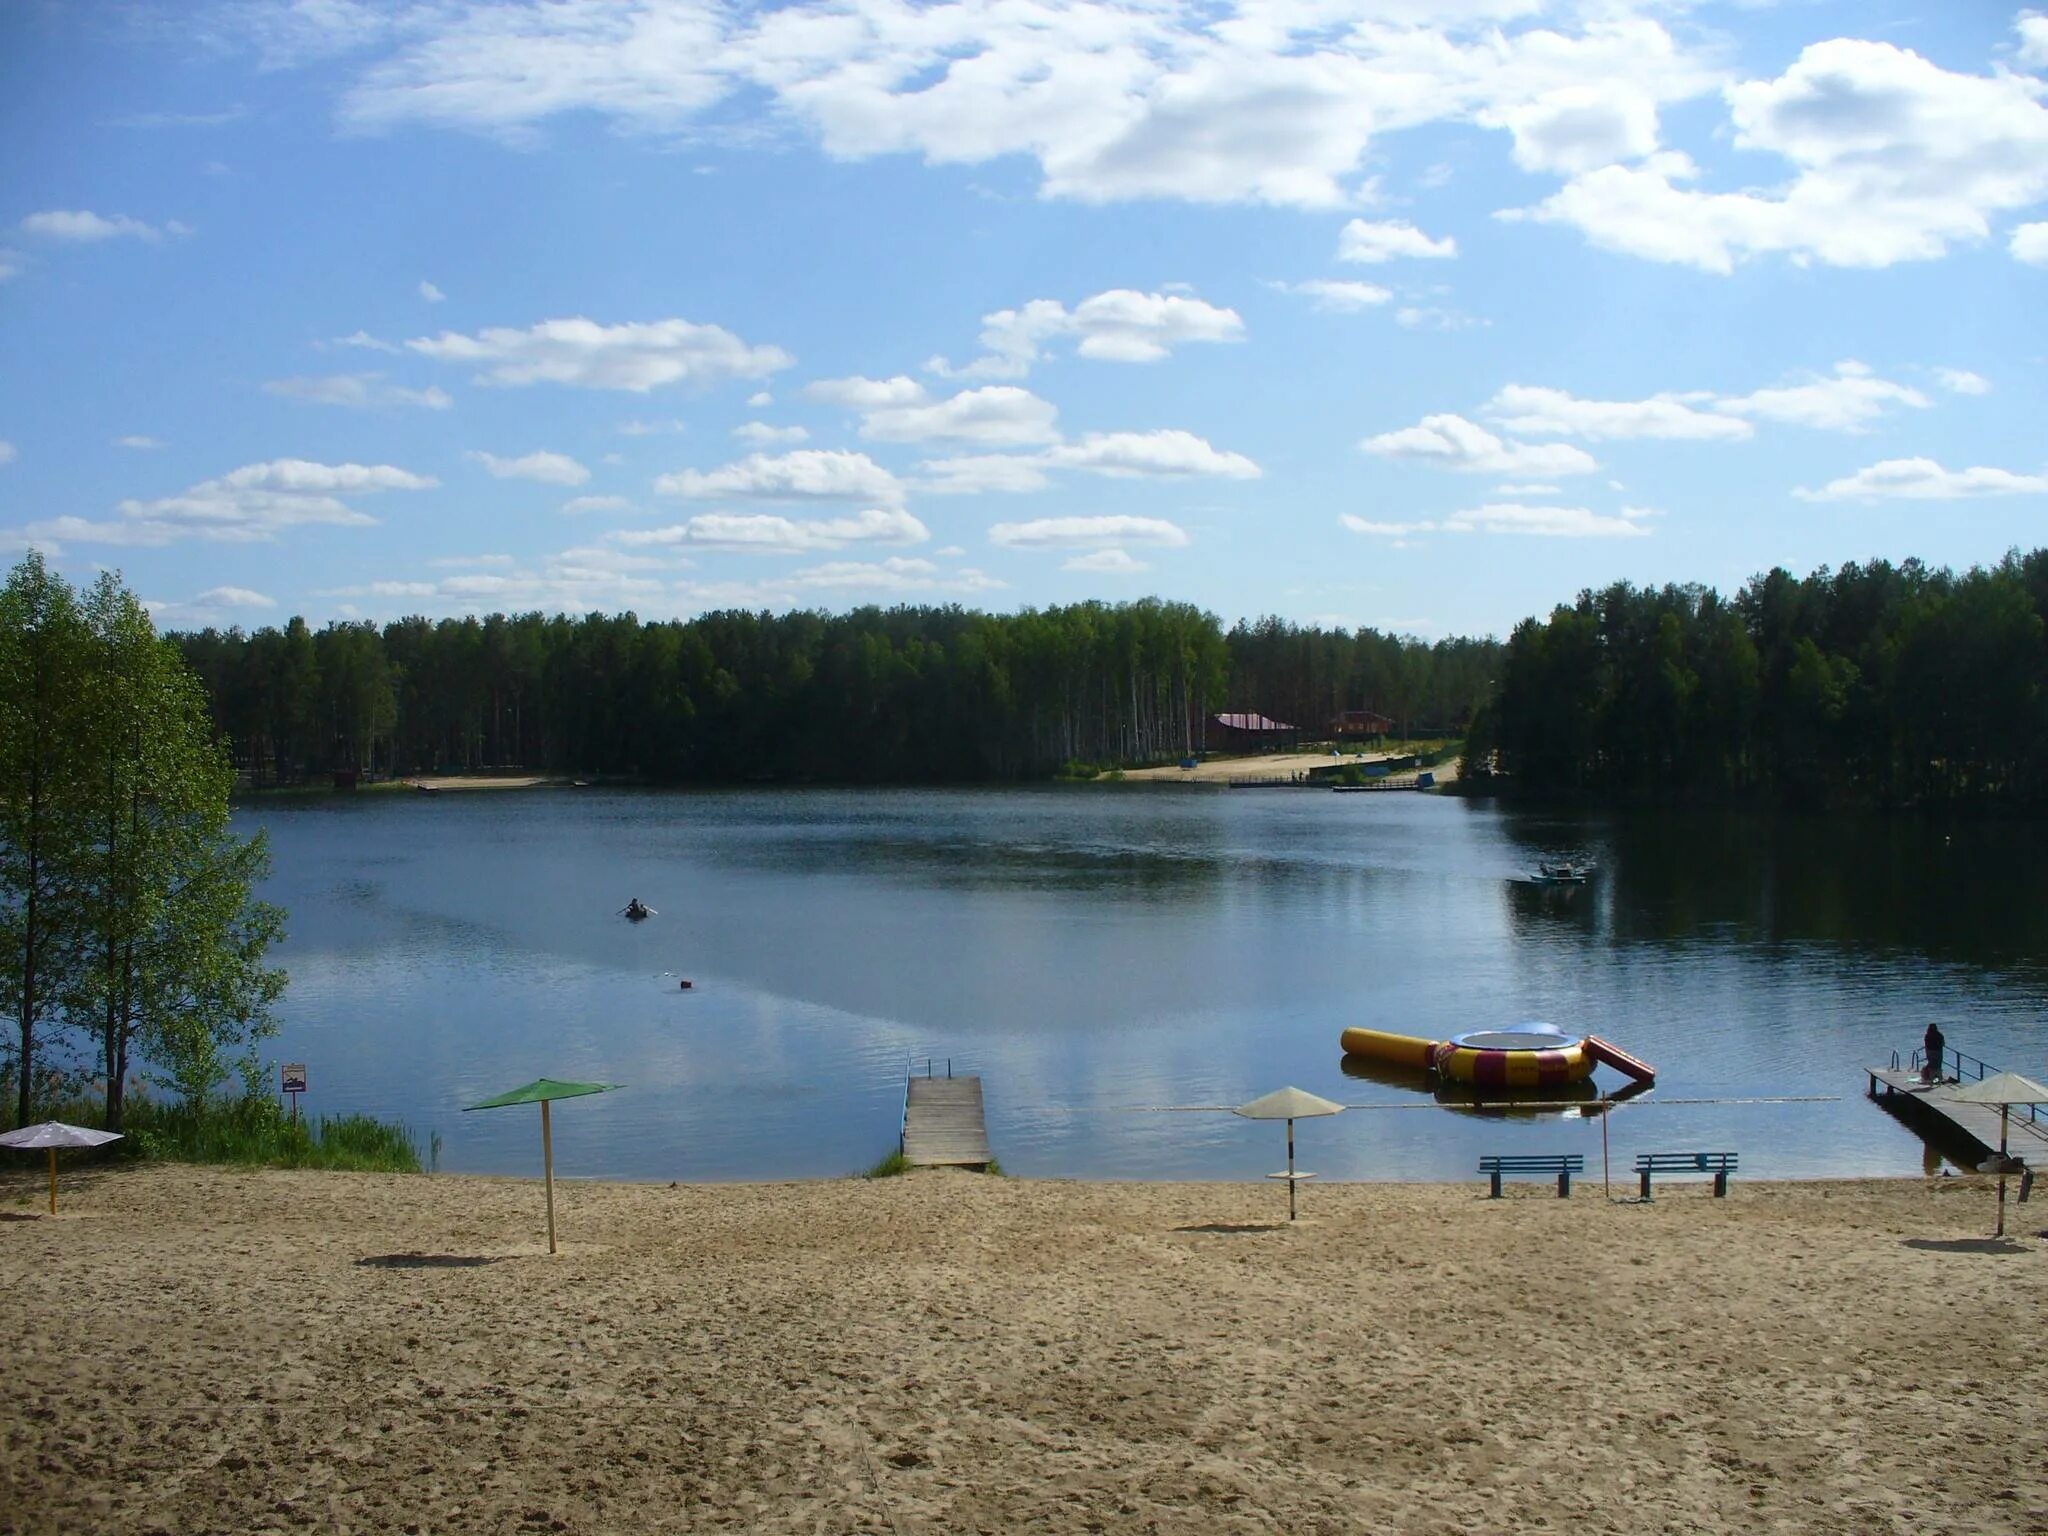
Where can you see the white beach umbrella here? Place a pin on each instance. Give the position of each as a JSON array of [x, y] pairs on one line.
[[1289, 1104], [51, 1135], [2005, 1090]]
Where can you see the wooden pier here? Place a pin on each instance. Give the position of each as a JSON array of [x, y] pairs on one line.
[[943, 1122], [1970, 1130]]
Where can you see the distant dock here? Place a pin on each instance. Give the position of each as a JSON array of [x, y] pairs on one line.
[[944, 1125], [1970, 1130]]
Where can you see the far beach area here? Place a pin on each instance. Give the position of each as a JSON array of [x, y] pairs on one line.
[[194, 1349]]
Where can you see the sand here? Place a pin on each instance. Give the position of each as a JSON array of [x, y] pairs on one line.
[[194, 1350], [1272, 765]]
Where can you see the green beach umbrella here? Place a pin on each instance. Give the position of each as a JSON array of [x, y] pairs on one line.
[[541, 1091]]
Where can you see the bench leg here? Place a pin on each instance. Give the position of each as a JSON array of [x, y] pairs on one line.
[[1496, 1185], [1564, 1186], [2026, 1185], [1721, 1185], [1646, 1183]]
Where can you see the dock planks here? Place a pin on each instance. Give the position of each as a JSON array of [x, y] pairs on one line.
[[1973, 1126], [943, 1123]]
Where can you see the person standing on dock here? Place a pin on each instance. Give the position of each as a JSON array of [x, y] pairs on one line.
[[1936, 1047]]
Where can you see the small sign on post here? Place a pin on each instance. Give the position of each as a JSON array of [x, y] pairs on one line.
[[292, 1079]]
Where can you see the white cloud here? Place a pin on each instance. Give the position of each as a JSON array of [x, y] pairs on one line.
[[359, 391], [996, 415], [1113, 561], [1169, 452], [2032, 52], [767, 533], [1527, 490], [232, 597], [1364, 241], [139, 443], [10, 263], [976, 473], [1430, 318], [1337, 294], [541, 465], [1960, 381], [806, 474], [895, 574], [78, 226], [760, 398], [1538, 412], [1925, 480], [251, 504], [1848, 402], [1579, 128], [2030, 244], [8, 452], [863, 394], [1232, 103], [365, 341], [1383, 530], [1451, 442], [1088, 533], [577, 506], [431, 294], [579, 352], [1545, 522], [762, 435], [639, 428], [1894, 159], [1120, 325]]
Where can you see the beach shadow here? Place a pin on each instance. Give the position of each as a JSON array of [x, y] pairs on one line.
[[21, 1215], [1967, 1245], [1238, 1226], [426, 1261]]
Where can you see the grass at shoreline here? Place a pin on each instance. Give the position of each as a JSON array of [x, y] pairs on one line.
[[252, 1132]]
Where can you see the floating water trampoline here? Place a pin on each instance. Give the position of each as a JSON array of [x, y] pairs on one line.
[[1518, 1056]]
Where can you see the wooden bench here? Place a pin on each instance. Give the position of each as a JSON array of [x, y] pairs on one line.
[[1563, 1164], [1719, 1164]]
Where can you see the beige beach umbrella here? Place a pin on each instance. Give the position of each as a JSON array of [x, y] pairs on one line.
[[1289, 1104], [2005, 1090], [52, 1134]]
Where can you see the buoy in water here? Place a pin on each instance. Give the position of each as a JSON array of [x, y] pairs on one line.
[[686, 984]]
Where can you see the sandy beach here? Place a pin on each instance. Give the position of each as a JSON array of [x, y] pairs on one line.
[[1270, 765], [209, 1350]]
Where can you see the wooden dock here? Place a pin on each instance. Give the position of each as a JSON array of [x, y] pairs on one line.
[[943, 1123], [1970, 1129]]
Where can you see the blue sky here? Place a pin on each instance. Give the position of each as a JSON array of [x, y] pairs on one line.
[[1384, 312]]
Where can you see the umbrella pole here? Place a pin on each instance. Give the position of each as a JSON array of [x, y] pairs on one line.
[[1290, 1170], [53, 1185], [547, 1161], [2003, 1111]]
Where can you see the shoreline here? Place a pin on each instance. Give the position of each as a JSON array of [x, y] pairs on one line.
[[207, 1348]]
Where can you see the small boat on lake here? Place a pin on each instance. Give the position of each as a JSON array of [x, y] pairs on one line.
[[637, 912], [1562, 872]]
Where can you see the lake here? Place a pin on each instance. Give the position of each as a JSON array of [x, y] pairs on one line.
[[1101, 954]]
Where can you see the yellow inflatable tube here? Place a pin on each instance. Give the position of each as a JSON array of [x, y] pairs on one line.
[[1397, 1050]]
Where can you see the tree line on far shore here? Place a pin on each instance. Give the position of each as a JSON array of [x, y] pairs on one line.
[[909, 694], [1873, 685], [128, 932]]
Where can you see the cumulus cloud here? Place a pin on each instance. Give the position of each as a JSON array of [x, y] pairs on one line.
[[81, 227], [2030, 244], [1546, 522], [1337, 294], [1114, 561], [431, 294], [804, 475], [768, 533], [996, 415], [139, 443], [1925, 480], [8, 452], [233, 597], [1960, 381], [1365, 241], [252, 504], [359, 391], [864, 394], [540, 465], [762, 435], [1849, 401], [1452, 442], [1538, 412], [1580, 128], [1894, 159], [975, 473], [364, 341], [578, 506], [1121, 325], [581, 353], [1373, 528], [2032, 52], [1170, 453], [1088, 533]]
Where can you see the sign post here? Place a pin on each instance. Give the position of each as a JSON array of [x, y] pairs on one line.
[[292, 1079]]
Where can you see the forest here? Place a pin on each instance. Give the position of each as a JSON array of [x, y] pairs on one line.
[[932, 694], [1873, 685]]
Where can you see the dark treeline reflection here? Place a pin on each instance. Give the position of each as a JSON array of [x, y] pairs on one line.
[[1872, 685], [1962, 891], [872, 696]]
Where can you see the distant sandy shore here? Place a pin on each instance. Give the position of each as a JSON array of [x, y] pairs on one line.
[[467, 781], [204, 1350], [1270, 766]]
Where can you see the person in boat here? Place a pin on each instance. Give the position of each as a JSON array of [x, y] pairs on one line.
[[635, 909]]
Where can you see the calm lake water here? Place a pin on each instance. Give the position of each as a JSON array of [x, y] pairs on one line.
[[1100, 953]]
